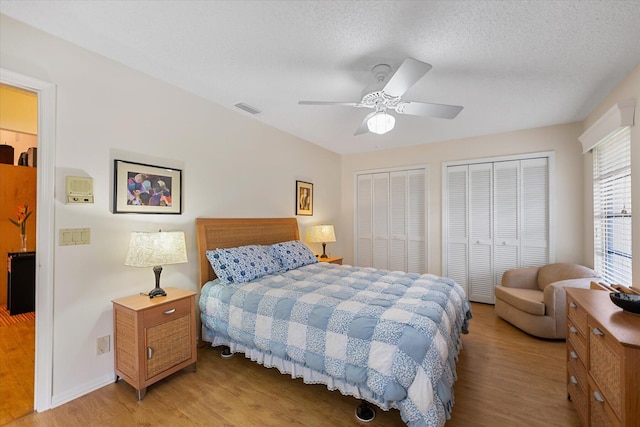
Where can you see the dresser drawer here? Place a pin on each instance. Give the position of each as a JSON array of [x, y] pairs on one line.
[[605, 366], [577, 315], [577, 373], [600, 412], [577, 340], [579, 399], [167, 312]]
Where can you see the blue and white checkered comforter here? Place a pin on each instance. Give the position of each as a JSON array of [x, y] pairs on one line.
[[395, 333]]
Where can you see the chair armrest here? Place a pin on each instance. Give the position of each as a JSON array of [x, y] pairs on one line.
[[523, 278], [555, 297]]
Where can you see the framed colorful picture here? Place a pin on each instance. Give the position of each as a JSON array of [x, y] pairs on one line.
[[304, 198], [146, 189]]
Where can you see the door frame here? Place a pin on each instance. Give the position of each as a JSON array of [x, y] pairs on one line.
[[43, 373]]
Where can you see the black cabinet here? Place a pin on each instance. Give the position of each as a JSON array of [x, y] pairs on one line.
[[21, 282]]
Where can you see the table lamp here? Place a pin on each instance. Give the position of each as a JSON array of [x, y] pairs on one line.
[[154, 249], [324, 234]]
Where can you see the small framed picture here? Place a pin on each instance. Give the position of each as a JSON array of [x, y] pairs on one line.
[[146, 189], [304, 198]]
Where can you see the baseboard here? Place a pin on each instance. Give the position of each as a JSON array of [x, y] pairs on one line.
[[81, 390]]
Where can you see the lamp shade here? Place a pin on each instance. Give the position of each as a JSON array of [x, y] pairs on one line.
[[151, 249], [322, 234], [381, 122]]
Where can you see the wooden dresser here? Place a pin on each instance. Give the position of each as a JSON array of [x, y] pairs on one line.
[[603, 360]]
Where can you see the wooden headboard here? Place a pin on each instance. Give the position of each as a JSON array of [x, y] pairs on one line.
[[213, 233]]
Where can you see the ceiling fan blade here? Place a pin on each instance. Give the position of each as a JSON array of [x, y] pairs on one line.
[[440, 111], [407, 75], [348, 104], [363, 128]]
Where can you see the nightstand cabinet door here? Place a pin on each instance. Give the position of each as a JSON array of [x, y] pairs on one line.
[[167, 336]]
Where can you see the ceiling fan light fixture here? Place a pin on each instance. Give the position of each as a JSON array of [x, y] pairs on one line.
[[381, 122]]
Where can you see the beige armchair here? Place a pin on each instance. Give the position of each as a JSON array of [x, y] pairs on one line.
[[533, 298]]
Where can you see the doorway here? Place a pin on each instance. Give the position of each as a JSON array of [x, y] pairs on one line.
[[44, 226], [18, 192]]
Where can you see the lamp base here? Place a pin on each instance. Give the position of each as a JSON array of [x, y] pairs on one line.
[[324, 250], [157, 292]]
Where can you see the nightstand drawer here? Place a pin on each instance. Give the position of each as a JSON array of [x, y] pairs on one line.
[[167, 312]]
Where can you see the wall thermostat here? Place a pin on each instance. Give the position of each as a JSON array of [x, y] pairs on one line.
[[79, 190]]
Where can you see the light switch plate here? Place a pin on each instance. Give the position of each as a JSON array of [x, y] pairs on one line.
[[74, 236]]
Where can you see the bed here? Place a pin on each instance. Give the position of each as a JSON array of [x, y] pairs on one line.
[[388, 338]]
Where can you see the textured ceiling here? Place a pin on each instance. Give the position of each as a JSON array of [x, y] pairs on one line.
[[511, 64]]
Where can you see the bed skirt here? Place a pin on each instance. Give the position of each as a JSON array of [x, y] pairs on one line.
[[309, 376]]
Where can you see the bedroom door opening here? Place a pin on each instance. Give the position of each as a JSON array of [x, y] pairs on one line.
[[43, 228], [18, 192]]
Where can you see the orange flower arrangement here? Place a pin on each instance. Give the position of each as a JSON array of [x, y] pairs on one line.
[[23, 213]]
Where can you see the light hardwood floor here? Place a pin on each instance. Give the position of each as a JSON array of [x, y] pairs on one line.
[[506, 378], [17, 359]]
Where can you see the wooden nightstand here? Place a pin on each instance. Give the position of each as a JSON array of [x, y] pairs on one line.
[[331, 260], [154, 337]]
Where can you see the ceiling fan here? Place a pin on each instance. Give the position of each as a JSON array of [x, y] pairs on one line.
[[386, 94]]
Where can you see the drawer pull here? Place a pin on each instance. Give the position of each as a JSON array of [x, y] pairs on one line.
[[573, 379], [597, 331], [572, 305], [173, 310], [573, 355], [149, 352], [573, 330], [598, 396]]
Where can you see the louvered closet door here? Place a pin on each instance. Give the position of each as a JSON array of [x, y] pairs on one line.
[[364, 208], [416, 222], [506, 176], [535, 212], [457, 238], [398, 221], [381, 220], [481, 232], [391, 220]]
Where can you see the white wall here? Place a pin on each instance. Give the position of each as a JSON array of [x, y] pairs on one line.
[[627, 89], [233, 166], [562, 139]]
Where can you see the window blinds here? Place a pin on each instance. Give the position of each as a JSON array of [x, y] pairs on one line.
[[612, 207]]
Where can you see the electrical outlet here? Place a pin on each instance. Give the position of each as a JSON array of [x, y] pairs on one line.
[[103, 345]]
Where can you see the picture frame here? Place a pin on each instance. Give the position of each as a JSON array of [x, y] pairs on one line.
[[146, 189], [304, 198]]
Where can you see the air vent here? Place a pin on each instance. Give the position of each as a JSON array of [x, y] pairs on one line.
[[248, 108]]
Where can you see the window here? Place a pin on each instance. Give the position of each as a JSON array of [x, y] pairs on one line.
[[612, 207]]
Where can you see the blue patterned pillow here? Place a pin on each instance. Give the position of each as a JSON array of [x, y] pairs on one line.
[[243, 263], [293, 254], [219, 266]]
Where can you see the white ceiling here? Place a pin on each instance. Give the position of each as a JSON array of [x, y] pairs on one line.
[[512, 64]]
